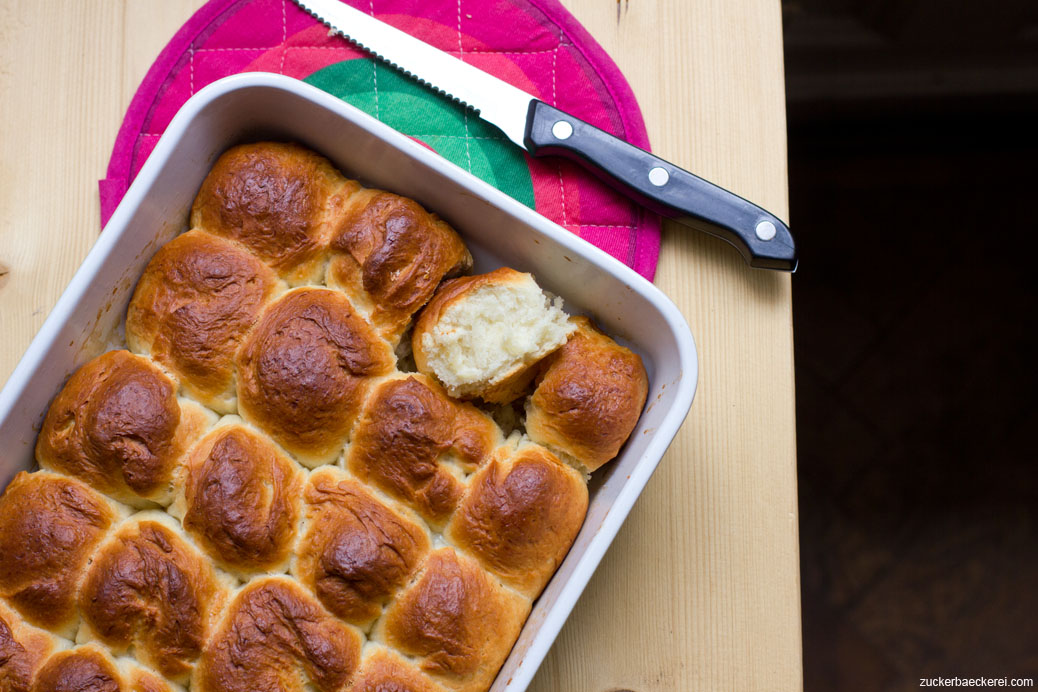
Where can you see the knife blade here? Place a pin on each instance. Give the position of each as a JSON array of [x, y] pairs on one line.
[[543, 130]]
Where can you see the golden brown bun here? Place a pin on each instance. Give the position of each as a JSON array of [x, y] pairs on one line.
[[23, 649], [91, 669], [149, 589], [276, 636], [241, 499], [279, 200], [119, 426], [303, 372], [408, 428], [456, 620], [86, 668], [49, 528], [520, 516], [390, 255], [383, 670], [588, 398], [197, 298], [356, 552]]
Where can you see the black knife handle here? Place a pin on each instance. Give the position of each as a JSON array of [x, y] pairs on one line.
[[760, 236]]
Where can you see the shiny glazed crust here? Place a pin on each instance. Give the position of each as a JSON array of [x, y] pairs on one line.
[[588, 398], [119, 426], [148, 588], [276, 636], [92, 669], [390, 254], [304, 369], [456, 620], [241, 500], [385, 671], [198, 297], [23, 650], [406, 563], [357, 552], [413, 442], [520, 516], [49, 528], [279, 200]]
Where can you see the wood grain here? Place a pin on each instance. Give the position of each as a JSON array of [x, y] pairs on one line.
[[701, 589]]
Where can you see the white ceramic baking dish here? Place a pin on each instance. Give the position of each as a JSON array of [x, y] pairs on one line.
[[88, 317]]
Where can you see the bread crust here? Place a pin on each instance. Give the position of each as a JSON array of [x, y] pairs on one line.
[[279, 200], [192, 307], [92, 669], [148, 588], [389, 254], [588, 397], [23, 650], [357, 551], [119, 426], [273, 636], [520, 516], [457, 621], [385, 671], [409, 430], [304, 370], [50, 526], [242, 500]]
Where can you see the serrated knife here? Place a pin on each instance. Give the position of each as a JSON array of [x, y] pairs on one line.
[[543, 130]]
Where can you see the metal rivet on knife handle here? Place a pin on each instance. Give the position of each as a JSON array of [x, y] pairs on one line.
[[562, 130], [659, 176], [766, 230]]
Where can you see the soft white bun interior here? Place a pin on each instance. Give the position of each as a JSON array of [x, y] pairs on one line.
[[491, 332]]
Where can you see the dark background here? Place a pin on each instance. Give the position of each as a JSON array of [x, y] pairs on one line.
[[913, 162]]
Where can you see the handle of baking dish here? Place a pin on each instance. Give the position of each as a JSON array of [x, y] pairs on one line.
[[764, 240]]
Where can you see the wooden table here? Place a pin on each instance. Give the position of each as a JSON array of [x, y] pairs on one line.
[[700, 591]]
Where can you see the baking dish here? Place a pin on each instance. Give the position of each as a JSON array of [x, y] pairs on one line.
[[88, 317]]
